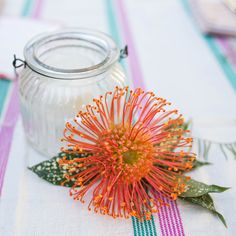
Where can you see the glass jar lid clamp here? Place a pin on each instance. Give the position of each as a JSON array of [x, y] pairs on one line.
[[71, 53]]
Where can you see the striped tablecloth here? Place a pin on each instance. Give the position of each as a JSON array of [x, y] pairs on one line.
[[168, 55]]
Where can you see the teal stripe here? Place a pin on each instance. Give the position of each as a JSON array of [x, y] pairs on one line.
[[134, 226], [222, 60], [153, 226], [147, 230], [225, 65], [4, 87], [5, 84], [150, 227], [113, 26], [140, 228], [140, 232], [28, 4]]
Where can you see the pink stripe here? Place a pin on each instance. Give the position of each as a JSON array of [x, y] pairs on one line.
[[6, 77], [161, 222], [7, 129], [3, 76], [170, 211], [170, 218], [138, 81], [6, 132], [166, 216], [134, 64], [38, 9], [178, 226], [229, 51], [162, 219], [178, 218]]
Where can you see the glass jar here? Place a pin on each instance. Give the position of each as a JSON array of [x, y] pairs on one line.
[[64, 71]]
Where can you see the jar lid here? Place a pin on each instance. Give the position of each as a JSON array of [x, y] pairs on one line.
[[71, 53]]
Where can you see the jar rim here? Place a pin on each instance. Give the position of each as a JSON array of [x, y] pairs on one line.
[[100, 40]]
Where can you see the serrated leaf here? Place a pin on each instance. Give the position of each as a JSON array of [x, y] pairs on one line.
[[196, 189], [197, 164], [51, 171], [206, 202]]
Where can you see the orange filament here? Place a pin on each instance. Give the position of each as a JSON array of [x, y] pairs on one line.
[[137, 149]]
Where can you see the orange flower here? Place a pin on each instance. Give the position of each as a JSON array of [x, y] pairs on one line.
[[137, 148]]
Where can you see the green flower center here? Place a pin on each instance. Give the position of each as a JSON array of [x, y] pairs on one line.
[[130, 157]]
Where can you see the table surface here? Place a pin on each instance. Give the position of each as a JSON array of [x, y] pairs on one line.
[[169, 56]]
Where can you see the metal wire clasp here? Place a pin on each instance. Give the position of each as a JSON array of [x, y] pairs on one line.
[[124, 52], [17, 62]]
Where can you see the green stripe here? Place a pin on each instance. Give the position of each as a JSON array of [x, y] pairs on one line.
[[27, 7], [4, 87], [224, 63]]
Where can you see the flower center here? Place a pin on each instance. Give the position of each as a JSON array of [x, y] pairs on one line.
[[133, 157], [130, 157]]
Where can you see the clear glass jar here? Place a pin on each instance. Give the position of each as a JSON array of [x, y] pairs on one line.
[[64, 71]]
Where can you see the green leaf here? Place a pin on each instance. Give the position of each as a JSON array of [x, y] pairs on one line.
[[197, 164], [186, 125], [206, 202], [196, 189], [51, 171]]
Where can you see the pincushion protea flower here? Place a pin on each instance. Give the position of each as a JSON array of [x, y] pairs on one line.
[[137, 149]]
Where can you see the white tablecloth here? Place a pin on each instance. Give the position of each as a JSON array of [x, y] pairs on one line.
[[176, 64]]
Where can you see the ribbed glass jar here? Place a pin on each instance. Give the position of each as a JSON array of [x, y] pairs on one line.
[[64, 71]]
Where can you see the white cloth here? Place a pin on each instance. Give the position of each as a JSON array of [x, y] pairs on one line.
[[178, 65], [14, 34]]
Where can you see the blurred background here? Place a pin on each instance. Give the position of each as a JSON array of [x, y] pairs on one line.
[[184, 50], [177, 44]]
